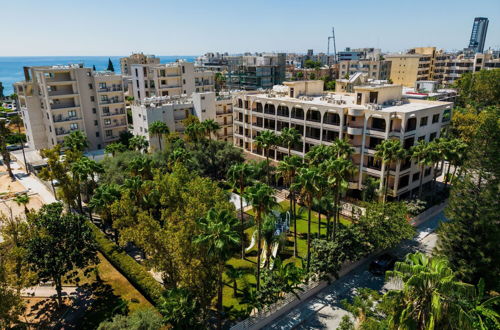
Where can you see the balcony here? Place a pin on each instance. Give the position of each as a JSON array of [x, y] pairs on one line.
[[355, 130], [116, 124], [63, 131], [111, 138], [63, 106], [62, 94], [169, 86], [110, 101], [61, 119], [115, 113], [110, 89]]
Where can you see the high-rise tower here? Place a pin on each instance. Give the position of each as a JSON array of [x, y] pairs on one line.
[[478, 35]]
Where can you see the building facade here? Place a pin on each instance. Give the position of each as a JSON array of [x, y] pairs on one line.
[[173, 110], [376, 69], [251, 72], [56, 100], [365, 118], [370, 54], [138, 58], [172, 79], [478, 34]]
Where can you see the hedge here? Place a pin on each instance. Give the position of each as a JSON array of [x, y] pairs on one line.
[[134, 272]]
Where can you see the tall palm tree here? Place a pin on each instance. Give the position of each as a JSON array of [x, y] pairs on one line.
[[239, 175], [306, 184], [210, 126], [76, 141], [422, 155], [267, 140], [4, 133], [322, 185], [104, 196], [220, 239], [436, 151], [158, 129], [318, 154], [339, 170], [234, 274], [422, 302], [114, 148], [23, 199], [342, 149], [454, 153], [80, 172], [195, 131], [387, 152], [139, 143], [141, 166], [268, 231], [287, 169], [289, 137], [17, 120], [262, 199]]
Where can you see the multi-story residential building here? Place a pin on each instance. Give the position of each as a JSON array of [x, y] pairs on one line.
[[173, 110], [251, 72], [370, 54], [417, 64], [478, 34], [449, 67], [376, 69], [56, 100], [213, 61], [138, 58], [172, 79], [365, 118]]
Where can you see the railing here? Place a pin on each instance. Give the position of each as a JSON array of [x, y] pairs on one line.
[[62, 106], [65, 131], [59, 120], [111, 101], [110, 89], [108, 114], [115, 125]]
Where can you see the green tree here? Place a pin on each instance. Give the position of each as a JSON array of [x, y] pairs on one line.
[[220, 240], [195, 131], [342, 149], [311, 64], [17, 120], [23, 199], [454, 154], [11, 305], [289, 137], [287, 169], [306, 185], [143, 319], [139, 143], [158, 129], [479, 89], [262, 199], [266, 140], [234, 273], [4, 134], [110, 66], [114, 148], [210, 127], [180, 309], [59, 243], [76, 141], [387, 152], [421, 153], [104, 196], [239, 175]]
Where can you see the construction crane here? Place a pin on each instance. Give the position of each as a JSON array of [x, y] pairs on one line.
[[332, 37]]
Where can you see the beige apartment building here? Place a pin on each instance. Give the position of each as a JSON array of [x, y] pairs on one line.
[[173, 110], [137, 58], [56, 100], [379, 70], [172, 79], [371, 114]]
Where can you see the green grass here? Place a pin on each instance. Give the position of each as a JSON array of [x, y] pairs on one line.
[[248, 265]]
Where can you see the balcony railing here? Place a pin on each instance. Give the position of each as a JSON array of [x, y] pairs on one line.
[[62, 106], [62, 131], [115, 124], [111, 101], [111, 89], [116, 113], [63, 119]]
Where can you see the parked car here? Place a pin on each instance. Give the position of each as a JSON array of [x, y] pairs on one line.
[[382, 264], [14, 147]]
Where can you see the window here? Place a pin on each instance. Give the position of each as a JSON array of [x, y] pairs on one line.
[[421, 138], [435, 118], [92, 99], [183, 81], [416, 176], [423, 121], [183, 69], [73, 126], [96, 123], [72, 113], [96, 134], [432, 136], [107, 121], [90, 86], [102, 85], [109, 133], [94, 111], [104, 98], [137, 75]]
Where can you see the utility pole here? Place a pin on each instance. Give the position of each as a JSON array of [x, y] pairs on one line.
[[332, 37]]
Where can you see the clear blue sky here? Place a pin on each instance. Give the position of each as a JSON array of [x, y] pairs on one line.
[[192, 27]]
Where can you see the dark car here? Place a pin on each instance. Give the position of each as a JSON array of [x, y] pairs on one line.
[[382, 264]]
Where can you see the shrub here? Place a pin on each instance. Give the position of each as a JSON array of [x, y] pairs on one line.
[[135, 273]]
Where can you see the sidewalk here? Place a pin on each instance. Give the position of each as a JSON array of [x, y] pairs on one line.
[[41, 291], [33, 184]]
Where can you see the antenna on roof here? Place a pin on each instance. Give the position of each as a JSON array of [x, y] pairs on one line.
[[334, 46]]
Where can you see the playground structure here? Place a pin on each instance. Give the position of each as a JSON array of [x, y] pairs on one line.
[[282, 227]]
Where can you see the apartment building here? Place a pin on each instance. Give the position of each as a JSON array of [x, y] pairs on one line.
[[478, 34], [172, 79], [371, 114], [370, 54], [173, 110], [251, 72], [450, 67], [375, 69], [137, 58], [56, 100]]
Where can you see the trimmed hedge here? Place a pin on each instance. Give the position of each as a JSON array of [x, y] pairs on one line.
[[134, 272]]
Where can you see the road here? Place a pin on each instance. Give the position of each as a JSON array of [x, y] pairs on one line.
[[324, 310]]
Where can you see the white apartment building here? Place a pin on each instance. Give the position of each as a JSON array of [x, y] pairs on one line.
[[375, 69], [366, 117], [137, 58], [55, 100], [172, 79], [173, 110]]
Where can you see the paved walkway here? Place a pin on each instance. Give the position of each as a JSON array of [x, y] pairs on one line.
[[43, 291], [33, 184], [324, 310]]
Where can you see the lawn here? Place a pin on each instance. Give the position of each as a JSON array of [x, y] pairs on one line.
[[248, 265]]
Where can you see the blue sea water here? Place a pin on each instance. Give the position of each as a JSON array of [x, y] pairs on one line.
[[11, 68]]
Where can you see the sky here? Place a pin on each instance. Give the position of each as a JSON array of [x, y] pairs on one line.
[[192, 27]]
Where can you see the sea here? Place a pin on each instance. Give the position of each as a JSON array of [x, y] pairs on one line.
[[11, 68]]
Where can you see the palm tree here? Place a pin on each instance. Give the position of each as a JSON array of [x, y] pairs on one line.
[[342, 149], [104, 196], [4, 133], [23, 199], [220, 239], [266, 140], [114, 148], [322, 185], [262, 199], [421, 154], [479, 310], [76, 141], [423, 301], [306, 184], [268, 231], [141, 166], [158, 129], [454, 153], [339, 170], [16, 120], [238, 175], [289, 137], [234, 274], [287, 169], [139, 143], [318, 154], [436, 151], [194, 131], [387, 152], [80, 172], [211, 127]]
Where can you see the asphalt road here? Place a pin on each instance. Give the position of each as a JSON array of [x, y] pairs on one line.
[[324, 310]]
